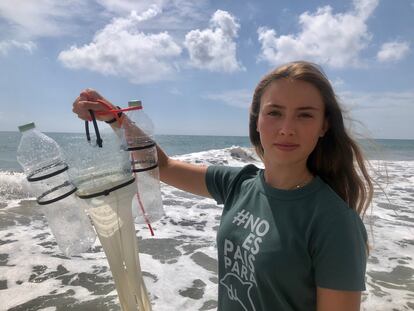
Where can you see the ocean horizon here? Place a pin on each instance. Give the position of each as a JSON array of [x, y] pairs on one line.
[[377, 149]]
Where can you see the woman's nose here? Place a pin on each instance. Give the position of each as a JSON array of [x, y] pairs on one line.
[[287, 128]]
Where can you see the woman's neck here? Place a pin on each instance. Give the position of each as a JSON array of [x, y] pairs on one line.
[[287, 177]]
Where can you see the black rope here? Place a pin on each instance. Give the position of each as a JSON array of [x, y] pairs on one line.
[[140, 170], [107, 191], [88, 135], [33, 176], [40, 200], [150, 145], [95, 125]]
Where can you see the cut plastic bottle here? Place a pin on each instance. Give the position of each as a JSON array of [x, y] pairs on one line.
[[43, 163], [138, 131]]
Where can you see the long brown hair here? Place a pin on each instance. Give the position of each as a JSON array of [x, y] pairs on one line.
[[337, 158]]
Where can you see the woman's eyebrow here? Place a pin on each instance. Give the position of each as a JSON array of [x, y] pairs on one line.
[[307, 108], [299, 108]]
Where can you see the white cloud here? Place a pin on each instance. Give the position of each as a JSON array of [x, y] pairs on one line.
[[325, 37], [125, 6], [7, 45], [177, 14], [27, 19], [214, 48], [378, 100], [383, 114], [393, 51], [337, 83], [237, 98], [175, 91], [121, 49]]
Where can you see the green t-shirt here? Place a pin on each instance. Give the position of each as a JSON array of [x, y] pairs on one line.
[[276, 246]]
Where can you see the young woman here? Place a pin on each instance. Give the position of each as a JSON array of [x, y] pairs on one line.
[[290, 236]]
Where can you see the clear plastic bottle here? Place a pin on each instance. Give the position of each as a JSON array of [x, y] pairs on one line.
[[43, 163], [138, 132]]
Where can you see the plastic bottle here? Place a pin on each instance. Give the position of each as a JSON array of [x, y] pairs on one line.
[[138, 131], [43, 163]]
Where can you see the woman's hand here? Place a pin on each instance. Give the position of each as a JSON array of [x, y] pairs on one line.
[[88, 100]]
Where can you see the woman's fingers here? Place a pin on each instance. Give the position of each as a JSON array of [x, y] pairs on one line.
[[82, 113], [89, 99], [82, 108], [90, 94], [91, 105]]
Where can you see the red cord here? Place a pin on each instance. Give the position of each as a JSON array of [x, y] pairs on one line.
[[140, 202], [110, 110], [115, 111]]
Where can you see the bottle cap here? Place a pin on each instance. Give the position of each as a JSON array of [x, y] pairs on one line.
[[135, 103], [26, 127]]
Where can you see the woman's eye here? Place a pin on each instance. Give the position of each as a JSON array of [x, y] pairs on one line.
[[274, 113], [305, 115]]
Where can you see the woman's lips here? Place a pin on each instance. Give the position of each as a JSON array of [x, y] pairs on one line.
[[286, 147]]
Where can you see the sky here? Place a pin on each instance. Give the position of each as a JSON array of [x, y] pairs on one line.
[[195, 64]]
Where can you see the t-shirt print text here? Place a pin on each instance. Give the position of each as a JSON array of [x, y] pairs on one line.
[[239, 259]]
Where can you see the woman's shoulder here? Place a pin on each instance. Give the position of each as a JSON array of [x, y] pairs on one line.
[[330, 207], [234, 171], [327, 198], [333, 217], [221, 181]]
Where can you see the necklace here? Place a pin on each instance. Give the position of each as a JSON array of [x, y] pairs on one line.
[[302, 184]]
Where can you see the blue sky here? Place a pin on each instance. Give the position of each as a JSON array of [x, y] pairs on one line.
[[194, 64]]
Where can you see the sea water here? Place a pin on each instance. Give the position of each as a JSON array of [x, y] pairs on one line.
[[179, 264]]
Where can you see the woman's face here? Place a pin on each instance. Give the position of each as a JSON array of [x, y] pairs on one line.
[[291, 120]]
